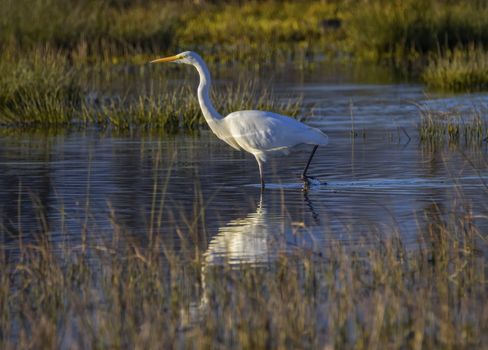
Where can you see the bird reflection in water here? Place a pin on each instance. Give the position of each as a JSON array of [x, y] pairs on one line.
[[242, 240], [259, 237], [255, 241]]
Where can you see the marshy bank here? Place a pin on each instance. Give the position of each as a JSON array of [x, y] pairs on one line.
[[408, 35], [53, 52], [46, 91]]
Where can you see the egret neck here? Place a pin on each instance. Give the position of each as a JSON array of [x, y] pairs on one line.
[[211, 115]]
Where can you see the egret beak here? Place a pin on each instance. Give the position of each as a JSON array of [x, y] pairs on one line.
[[166, 59]]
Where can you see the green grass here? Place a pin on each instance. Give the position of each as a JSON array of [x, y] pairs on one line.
[[458, 70], [254, 32], [118, 292], [410, 30], [176, 108], [89, 30], [44, 90], [104, 30], [441, 41], [45, 44], [38, 89]]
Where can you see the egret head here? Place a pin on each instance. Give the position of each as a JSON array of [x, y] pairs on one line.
[[187, 57]]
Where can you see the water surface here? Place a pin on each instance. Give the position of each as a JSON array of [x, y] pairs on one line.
[[379, 178]]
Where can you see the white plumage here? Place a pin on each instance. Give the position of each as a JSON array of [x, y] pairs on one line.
[[257, 132]]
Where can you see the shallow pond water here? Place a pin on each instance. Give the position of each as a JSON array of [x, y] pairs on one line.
[[374, 177]]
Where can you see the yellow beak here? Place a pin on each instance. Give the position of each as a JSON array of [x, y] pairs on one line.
[[166, 59]]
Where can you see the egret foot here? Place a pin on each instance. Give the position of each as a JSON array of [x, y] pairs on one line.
[[311, 180], [306, 181], [307, 178]]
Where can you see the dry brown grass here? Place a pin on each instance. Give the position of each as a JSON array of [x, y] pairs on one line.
[[126, 292]]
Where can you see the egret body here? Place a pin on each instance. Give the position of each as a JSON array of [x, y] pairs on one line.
[[257, 132]]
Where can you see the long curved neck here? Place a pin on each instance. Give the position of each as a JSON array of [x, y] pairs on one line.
[[209, 112]]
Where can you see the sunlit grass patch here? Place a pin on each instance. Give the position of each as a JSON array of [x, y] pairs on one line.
[[458, 70], [107, 30], [172, 110], [246, 95], [246, 32], [257, 32]]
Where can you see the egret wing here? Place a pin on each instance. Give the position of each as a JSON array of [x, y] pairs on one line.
[[258, 131]]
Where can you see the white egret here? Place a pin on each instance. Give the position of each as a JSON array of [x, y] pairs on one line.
[[257, 132]]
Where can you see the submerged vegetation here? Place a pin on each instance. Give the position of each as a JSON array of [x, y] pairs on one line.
[[452, 126]]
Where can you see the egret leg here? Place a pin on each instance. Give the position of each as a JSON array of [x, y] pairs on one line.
[[304, 174], [260, 164]]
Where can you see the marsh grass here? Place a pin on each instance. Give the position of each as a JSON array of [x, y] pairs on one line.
[[38, 89], [46, 44], [122, 289], [454, 127], [177, 108], [251, 32], [458, 70], [107, 30], [45, 90], [90, 30], [402, 31], [126, 291], [171, 111], [409, 34]]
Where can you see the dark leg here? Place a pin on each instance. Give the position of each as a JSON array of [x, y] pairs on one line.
[[304, 174]]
